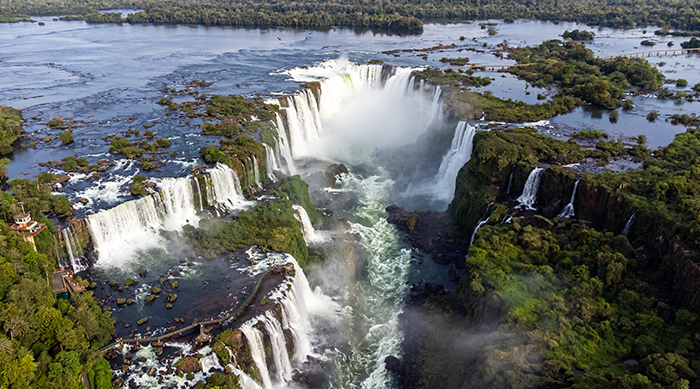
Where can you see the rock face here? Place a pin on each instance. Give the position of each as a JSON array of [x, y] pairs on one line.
[[332, 173], [428, 232]]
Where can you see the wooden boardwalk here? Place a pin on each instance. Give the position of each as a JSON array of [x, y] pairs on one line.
[[195, 323], [650, 52]]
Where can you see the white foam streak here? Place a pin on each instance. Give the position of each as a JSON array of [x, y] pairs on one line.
[[568, 210], [529, 196], [460, 152]]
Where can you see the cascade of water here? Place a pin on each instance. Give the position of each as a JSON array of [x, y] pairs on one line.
[[199, 193], [271, 163], [481, 223], [628, 225], [283, 367], [568, 210], [306, 227], [529, 196], [225, 187], [302, 122], [460, 152], [510, 181], [411, 86], [257, 351], [256, 173], [69, 248], [435, 107], [284, 145], [134, 225]]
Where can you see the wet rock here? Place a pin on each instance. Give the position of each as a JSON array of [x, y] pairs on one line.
[[118, 383], [152, 372], [333, 172], [142, 359], [392, 364]]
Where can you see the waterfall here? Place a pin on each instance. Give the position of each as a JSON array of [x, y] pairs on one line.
[[256, 173], [225, 188], [329, 125], [199, 193], [298, 305], [481, 223], [280, 356], [435, 107], [284, 145], [460, 152], [271, 162], [257, 351], [568, 210], [306, 227], [510, 180], [118, 233], [529, 196], [75, 252], [628, 225]]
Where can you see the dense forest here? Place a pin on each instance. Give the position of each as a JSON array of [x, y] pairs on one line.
[[609, 13]]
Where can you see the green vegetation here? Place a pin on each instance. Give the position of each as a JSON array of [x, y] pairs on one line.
[[237, 154], [693, 43], [590, 134], [494, 151], [455, 61], [681, 82], [45, 341], [10, 128], [66, 137], [296, 190], [137, 186], [581, 36], [577, 72], [271, 227], [651, 116], [647, 42], [574, 295]]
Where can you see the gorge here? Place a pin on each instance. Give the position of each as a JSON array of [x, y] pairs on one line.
[[324, 220]]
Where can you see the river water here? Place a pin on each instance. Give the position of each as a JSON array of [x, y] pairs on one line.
[[110, 77]]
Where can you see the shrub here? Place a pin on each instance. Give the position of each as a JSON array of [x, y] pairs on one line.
[[66, 137], [681, 82]]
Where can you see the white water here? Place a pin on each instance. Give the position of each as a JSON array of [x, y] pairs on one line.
[[510, 181], [257, 351], [356, 112], [460, 152], [75, 252], [529, 196], [302, 309], [568, 210], [307, 228], [481, 223], [271, 162], [280, 356], [256, 173], [120, 232], [628, 225], [208, 362], [284, 147]]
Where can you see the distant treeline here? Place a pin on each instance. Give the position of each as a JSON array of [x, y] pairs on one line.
[[297, 19], [682, 15]]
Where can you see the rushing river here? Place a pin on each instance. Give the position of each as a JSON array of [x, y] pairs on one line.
[[109, 77]]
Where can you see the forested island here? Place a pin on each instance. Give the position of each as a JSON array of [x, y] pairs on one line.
[[396, 16]]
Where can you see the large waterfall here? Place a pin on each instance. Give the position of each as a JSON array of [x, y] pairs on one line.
[[532, 185], [306, 227], [359, 108], [134, 225], [568, 210], [460, 152], [297, 303]]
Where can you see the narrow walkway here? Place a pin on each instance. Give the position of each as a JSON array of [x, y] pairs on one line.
[[650, 52]]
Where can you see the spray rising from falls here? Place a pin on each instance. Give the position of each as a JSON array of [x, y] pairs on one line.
[[357, 109], [532, 185], [460, 152], [568, 210], [118, 233]]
